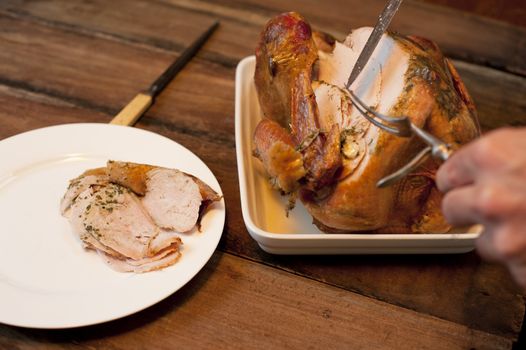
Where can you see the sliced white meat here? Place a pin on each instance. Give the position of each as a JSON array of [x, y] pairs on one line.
[[132, 214], [378, 86], [379, 83], [115, 218], [165, 239], [76, 217], [172, 199], [79, 185], [86, 221], [166, 258]]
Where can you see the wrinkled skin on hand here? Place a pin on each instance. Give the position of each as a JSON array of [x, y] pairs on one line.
[[485, 182]]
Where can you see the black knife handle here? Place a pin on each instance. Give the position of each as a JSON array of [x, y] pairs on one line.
[[180, 62]]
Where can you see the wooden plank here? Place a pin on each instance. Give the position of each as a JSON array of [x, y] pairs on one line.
[[510, 11], [496, 106], [461, 35], [25, 111], [457, 288], [237, 304], [22, 110], [109, 79], [199, 102], [499, 96], [162, 27]]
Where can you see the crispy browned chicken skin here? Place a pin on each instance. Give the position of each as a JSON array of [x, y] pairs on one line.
[[312, 141]]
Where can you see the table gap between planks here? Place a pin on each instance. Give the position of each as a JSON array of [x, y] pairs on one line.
[[76, 61]]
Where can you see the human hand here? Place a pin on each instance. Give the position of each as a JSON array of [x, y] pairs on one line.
[[485, 183]]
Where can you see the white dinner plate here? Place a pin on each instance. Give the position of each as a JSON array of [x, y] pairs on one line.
[[264, 209], [47, 280]]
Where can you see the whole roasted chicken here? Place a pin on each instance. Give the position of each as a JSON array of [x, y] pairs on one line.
[[315, 145]]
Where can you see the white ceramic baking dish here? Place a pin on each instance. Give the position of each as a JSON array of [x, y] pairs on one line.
[[264, 209]]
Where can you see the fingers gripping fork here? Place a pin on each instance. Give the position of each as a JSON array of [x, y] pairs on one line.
[[402, 126]]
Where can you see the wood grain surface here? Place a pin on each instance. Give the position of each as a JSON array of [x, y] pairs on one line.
[[278, 309], [511, 11], [75, 61]]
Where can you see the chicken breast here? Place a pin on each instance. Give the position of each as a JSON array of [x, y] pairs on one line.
[[164, 259], [133, 214], [164, 184], [91, 178], [117, 220], [172, 198], [342, 153]]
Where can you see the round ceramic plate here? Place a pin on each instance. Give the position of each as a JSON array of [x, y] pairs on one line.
[[47, 280]]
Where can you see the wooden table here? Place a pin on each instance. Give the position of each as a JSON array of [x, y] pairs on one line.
[[76, 61]]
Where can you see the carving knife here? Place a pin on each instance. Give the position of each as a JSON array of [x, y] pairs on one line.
[[140, 103], [384, 19]]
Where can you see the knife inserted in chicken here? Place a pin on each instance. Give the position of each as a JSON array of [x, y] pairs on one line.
[[133, 214], [314, 144]]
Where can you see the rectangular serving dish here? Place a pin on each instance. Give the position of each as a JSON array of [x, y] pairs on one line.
[[263, 208]]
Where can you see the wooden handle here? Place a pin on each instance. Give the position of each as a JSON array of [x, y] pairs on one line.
[[133, 110]]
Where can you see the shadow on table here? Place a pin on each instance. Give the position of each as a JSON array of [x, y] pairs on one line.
[[456, 287]]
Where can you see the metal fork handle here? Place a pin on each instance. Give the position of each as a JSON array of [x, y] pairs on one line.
[[436, 148], [439, 149], [402, 126], [418, 160]]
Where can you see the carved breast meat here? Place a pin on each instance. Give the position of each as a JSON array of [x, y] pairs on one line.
[[313, 143], [132, 214]]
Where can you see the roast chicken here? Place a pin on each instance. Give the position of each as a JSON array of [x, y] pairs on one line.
[[316, 147], [133, 214]]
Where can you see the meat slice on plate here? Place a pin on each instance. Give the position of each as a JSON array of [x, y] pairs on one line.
[[163, 259], [300, 80], [117, 220], [133, 214], [173, 198], [91, 178]]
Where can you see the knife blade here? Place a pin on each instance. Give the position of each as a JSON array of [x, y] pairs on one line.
[[142, 101], [384, 20]]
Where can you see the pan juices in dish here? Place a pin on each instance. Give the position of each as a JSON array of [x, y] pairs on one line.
[[132, 214], [315, 146]]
